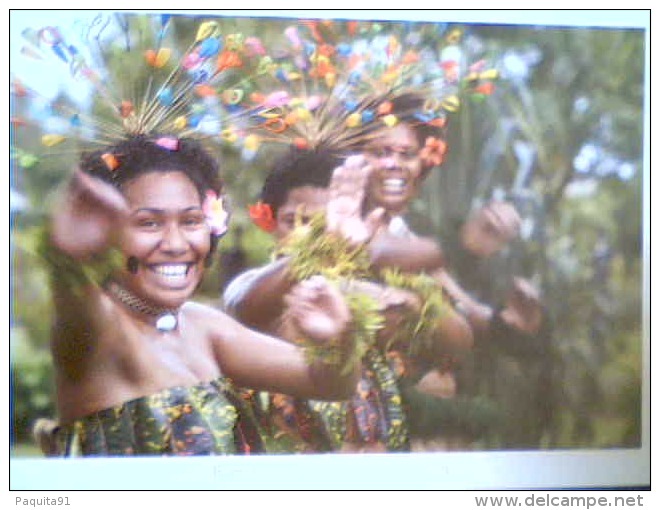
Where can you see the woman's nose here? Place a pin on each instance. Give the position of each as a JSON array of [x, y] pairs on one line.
[[173, 240], [389, 162]]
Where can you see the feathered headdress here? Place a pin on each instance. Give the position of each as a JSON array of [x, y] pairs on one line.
[[335, 84], [144, 82], [332, 83]]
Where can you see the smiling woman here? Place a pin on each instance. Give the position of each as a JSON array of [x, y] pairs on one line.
[[139, 368]]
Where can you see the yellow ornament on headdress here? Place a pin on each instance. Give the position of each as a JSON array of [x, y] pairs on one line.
[[158, 59], [180, 123], [490, 74], [451, 104], [232, 96], [51, 140], [390, 120], [206, 30], [229, 135], [303, 114], [234, 41], [454, 37], [330, 79], [353, 120], [252, 142]]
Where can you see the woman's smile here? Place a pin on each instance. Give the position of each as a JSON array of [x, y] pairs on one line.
[[167, 235]]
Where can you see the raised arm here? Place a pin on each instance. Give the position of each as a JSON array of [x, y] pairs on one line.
[[81, 229], [256, 297], [319, 314], [410, 255], [345, 216]]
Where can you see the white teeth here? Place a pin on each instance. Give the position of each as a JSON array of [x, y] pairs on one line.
[[394, 184], [171, 270]]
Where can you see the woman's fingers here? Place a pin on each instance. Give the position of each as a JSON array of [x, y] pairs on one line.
[[99, 193]]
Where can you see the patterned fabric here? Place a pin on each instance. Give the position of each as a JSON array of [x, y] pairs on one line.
[[374, 413], [289, 425], [205, 419], [298, 428]]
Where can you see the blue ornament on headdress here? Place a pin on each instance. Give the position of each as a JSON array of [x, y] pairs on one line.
[[309, 48], [343, 50], [165, 97], [351, 105], [354, 77], [368, 116], [60, 52], [281, 75], [194, 120], [233, 108], [200, 75], [423, 116], [209, 47]]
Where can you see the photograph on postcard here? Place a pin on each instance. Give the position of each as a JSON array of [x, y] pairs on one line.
[[280, 235]]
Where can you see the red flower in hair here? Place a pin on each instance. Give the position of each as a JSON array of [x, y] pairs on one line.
[[433, 152], [262, 216]]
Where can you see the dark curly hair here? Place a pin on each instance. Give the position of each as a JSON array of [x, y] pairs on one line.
[[297, 168], [139, 155]]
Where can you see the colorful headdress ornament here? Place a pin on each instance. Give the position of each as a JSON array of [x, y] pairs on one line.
[[333, 83], [141, 82]]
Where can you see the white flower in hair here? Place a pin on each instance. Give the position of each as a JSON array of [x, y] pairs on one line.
[[217, 217]]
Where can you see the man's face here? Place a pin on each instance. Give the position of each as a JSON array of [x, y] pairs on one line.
[[397, 169], [305, 201]]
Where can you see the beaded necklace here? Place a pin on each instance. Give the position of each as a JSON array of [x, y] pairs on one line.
[[165, 318]]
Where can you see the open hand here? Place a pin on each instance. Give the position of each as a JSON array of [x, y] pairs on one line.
[[84, 218], [490, 228], [523, 307], [317, 310], [344, 209]]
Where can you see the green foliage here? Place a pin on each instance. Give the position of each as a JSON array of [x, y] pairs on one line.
[[32, 383], [419, 332], [314, 252]]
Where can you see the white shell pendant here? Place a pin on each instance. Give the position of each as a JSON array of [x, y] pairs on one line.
[[166, 322]]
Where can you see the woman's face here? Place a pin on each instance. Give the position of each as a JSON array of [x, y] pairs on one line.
[[166, 232], [397, 169]]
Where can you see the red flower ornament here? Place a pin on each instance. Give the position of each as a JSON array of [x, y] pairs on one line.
[[262, 216], [433, 152]]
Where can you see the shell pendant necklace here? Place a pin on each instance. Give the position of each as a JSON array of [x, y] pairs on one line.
[[165, 319]]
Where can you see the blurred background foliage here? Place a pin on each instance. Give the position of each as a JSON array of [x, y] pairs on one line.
[[561, 137]]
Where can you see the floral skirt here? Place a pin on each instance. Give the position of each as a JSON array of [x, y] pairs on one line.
[[205, 419]]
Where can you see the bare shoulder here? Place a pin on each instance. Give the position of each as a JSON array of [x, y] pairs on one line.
[[205, 314], [215, 322]]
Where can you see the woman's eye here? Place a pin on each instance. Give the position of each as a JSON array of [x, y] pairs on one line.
[[193, 221], [148, 223]]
